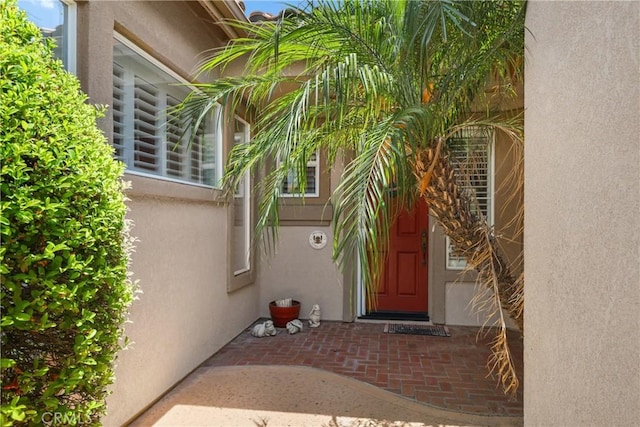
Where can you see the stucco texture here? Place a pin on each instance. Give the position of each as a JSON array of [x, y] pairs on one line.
[[303, 273], [185, 313], [582, 218]]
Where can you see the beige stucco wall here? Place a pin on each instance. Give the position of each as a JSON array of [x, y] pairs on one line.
[[303, 273], [185, 313], [582, 229]]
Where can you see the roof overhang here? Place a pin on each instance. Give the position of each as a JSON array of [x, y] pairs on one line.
[[223, 10]]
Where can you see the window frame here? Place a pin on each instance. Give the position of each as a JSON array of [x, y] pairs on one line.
[[70, 31], [215, 125], [244, 191], [240, 278], [316, 179], [450, 259]]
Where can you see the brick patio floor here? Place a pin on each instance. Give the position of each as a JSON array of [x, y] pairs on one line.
[[448, 372]]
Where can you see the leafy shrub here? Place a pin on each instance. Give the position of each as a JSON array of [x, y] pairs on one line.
[[65, 289]]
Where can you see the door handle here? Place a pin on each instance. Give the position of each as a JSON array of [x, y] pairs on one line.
[[423, 245]]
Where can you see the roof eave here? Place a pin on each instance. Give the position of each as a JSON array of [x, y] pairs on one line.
[[224, 10]]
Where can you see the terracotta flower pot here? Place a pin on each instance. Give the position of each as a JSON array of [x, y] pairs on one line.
[[282, 315]]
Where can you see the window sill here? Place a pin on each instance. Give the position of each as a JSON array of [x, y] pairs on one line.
[[299, 197], [142, 186], [460, 275], [236, 282], [292, 215]]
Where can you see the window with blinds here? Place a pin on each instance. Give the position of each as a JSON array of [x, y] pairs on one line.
[[291, 183], [472, 156], [147, 136]]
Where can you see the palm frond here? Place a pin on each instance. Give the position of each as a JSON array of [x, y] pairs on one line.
[[365, 210], [491, 275]]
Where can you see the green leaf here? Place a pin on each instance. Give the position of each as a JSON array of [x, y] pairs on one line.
[[18, 414], [7, 363], [23, 317], [6, 321]]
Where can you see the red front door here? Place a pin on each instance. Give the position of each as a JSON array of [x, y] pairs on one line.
[[404, 286]]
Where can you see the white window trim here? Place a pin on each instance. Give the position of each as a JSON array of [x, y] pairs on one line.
[[131, 45], [217, 123], [245, 192], [70, 27], [315, 163], [462, 264], [72, 35]]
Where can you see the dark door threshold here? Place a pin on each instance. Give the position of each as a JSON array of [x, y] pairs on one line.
[[396, 315]]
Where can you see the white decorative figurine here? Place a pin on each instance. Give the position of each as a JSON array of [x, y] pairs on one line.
[[314, 316], [294, 326], [265, 329]]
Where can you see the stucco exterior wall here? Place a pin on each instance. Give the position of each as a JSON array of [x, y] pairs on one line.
[[185, 313], [582, 223], [303, 273]]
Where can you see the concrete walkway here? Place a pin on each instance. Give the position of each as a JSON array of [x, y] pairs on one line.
[[273, 396]]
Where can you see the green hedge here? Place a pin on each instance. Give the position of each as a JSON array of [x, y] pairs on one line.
[[65, 244]]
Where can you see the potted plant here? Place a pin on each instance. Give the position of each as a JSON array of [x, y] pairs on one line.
[[283, 311]]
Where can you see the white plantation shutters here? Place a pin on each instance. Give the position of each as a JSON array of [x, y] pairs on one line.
[[472, 154], [147, 136], [146, 130], [195, 160], [175, 152], [118, 110]]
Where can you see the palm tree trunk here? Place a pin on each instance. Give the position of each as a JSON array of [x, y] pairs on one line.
[[470, 235]]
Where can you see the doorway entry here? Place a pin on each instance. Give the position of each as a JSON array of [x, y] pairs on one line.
[[403, 291]]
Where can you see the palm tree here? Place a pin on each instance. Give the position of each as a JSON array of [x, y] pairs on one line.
[[383, 85]]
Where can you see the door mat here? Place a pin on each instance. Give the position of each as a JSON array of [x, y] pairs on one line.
[[433, 330]]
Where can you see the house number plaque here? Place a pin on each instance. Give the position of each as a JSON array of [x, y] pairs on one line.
[[318, 239]]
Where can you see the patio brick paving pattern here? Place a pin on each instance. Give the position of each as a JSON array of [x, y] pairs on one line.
[[448, 373]]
